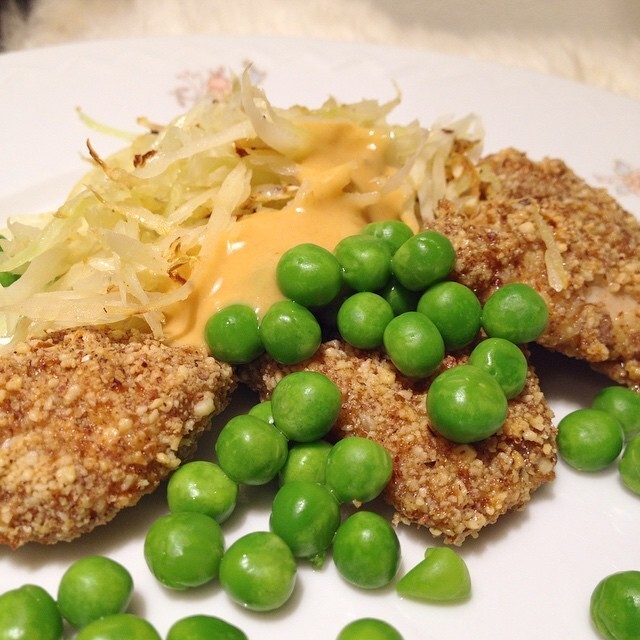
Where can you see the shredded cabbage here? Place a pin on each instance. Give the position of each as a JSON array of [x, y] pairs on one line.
[[556, 273], [125, 243]]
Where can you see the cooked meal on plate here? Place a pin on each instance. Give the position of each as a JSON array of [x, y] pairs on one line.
[[106, 379]]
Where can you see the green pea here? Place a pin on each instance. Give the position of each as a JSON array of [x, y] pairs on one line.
[[93, 587], [365, 262], [358, 469], [202, 627], [29, 613], [622, 403], [629, 465], [305, 405], [423, 260], [516, 312], [117, 627], [394, 232], [290, 332], [589, 439], [362, 319], [366, 550], [184, 549], [441, 577], [615, 606], [258, 571], [307, 462], [503, 360], [306, 516], [251, 451], [369, 629], [455, 310], [232, 334], [400, 298], [466, 404], [414, 344], [309, 274], [203, 487], [263, 411]]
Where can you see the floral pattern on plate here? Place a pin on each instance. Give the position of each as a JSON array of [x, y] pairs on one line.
[[196, 84], [625, 179]]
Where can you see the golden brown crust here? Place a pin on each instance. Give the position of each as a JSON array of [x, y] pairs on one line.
[[595, 314], [90, 420], [454, 490]]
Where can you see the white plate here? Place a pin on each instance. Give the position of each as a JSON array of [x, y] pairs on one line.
[[534, 571]]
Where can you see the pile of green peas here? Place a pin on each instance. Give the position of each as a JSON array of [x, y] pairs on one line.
[[387, 288], [282, 441]]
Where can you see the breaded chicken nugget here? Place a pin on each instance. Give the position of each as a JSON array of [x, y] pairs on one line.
[[90, 421], [543, 225], [454, 490]]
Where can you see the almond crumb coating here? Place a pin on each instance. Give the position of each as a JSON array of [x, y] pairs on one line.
[[90, 421], [454, 490], [594, 300]]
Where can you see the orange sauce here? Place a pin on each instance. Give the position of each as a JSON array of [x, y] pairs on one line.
[[340, 190]]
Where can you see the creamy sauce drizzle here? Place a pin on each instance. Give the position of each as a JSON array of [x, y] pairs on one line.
[[340, 190]]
